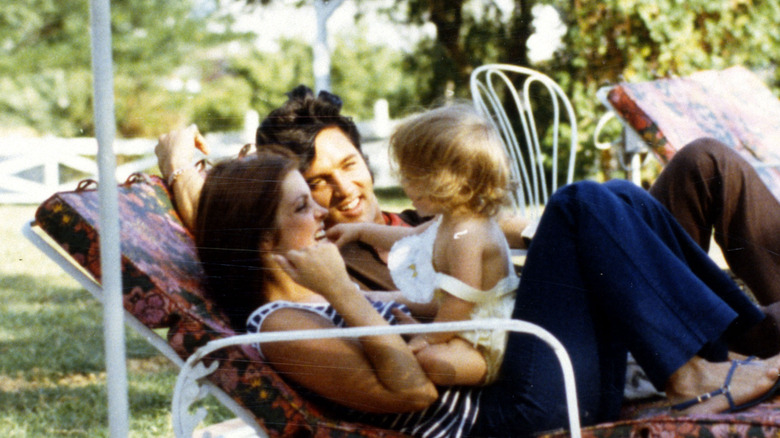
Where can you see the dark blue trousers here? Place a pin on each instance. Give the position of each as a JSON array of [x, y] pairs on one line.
[[609, 271]]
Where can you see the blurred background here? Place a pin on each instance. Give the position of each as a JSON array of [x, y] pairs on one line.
[[217, 63]]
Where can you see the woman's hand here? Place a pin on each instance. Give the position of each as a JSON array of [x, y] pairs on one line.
[[341, 234], [318, 267], [175, 150], [375, 373]]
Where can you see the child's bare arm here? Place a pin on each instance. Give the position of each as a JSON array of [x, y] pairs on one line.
[[455, 362], [446, 358], [451, 308], [377, 235]]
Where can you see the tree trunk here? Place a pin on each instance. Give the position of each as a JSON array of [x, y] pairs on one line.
[[520, 30], [324, 9], [447, 16]]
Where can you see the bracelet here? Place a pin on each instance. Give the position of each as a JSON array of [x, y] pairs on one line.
[[176, 173], [200, 166]]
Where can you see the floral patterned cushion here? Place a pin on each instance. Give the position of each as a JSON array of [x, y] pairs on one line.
[[731, 105], [162, 287], [652, 420]]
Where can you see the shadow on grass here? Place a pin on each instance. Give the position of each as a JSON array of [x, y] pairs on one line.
[[81, 410], [52, 330], [52, 369]]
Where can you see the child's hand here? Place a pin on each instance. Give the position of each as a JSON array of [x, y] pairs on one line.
[[403, 317], [341, 234], [418, 343]]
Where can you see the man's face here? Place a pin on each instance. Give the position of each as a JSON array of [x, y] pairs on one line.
[[340, 180]]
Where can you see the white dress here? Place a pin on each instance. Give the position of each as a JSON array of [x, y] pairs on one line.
[[411, 267]]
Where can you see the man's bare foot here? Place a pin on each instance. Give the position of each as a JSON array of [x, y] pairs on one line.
[[698, 376]]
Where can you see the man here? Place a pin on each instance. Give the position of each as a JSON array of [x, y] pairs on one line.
[[332, 163]]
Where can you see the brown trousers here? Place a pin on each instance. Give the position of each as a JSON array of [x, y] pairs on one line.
[[709, 188]]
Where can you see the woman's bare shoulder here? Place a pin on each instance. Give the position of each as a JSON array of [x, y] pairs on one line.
[[294, 318]]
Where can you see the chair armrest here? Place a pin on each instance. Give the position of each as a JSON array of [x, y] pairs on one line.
[[187, 390]]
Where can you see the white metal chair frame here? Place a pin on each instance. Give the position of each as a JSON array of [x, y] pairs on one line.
[[187, 389], [630, 147], [532, 193]]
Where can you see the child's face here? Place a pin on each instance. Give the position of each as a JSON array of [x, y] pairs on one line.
[[416, 192]]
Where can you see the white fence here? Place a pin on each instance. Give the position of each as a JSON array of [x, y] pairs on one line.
[[32, 168]]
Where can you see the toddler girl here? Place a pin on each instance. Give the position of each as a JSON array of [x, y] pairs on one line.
[[452, 166]]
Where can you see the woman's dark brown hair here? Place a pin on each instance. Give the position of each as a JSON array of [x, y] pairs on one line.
[[237, 211]]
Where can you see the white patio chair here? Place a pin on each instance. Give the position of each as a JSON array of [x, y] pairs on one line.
[[514, 98]]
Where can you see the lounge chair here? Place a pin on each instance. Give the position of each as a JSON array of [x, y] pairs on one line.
[[731, 105], [162, 290]]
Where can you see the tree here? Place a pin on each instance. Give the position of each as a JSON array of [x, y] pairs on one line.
[[606, 41], [468, 34], [617, 40], [45, 74]]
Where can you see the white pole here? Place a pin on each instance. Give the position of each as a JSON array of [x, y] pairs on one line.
[[113, 316], [323, 10]]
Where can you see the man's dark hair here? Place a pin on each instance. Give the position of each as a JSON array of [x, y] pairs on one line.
[[296, 124]]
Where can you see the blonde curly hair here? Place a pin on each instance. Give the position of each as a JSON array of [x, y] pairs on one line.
[[457, 155]]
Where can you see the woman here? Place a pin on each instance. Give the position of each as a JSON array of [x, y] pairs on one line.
[[602, 274]]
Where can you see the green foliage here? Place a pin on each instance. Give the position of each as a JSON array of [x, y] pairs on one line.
[[45, 79], [270, 75], [632, 40], [606, 41], [221, 105], [364, 73], [45, 61]]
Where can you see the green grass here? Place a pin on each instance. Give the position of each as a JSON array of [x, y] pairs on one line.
[[52, 372]]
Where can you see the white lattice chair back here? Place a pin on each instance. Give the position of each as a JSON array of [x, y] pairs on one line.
[[512, 96]]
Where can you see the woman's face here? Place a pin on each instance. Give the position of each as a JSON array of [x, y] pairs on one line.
[[299, 220]]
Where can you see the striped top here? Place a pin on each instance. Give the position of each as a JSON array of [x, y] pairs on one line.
[[451, 415]]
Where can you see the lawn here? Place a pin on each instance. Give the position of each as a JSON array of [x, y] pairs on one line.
[[52, 372]]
